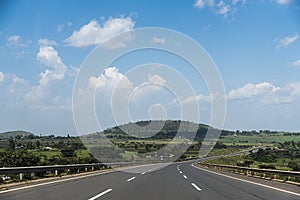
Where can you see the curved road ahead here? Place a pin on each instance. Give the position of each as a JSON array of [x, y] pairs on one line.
[[177, 181]]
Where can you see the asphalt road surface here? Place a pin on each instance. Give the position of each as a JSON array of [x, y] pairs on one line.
[[178, 181]]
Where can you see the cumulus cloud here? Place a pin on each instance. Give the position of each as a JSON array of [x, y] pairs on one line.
[[251, 90], [94, 33], [110, 79], [48, 56], [265, 93], [156, 79], [288, 40], [17, 91], [44, 95]]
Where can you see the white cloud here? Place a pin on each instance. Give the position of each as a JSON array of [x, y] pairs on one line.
[[159, 40], [251, 90], [48, 56], [296, 63], [94, 33], [18, 86], [45, 94], [265, 93], [60, 27], [111, 80], [288, 40], [222, 7], [197, 98], [200, 4], [284, 2], [113, 84], [15, 42], [46, 42], [1, 77], [156, 79]]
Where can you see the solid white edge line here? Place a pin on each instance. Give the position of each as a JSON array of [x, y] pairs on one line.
[[184, 176], [196, 187], [267, 186], [52, 182], [132, 178], [101, 194]]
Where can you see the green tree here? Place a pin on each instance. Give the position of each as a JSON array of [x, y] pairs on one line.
[[11, 143], [38, 144]]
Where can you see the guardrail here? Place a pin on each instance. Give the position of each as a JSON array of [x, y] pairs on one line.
[[19, 172], [278, 175]]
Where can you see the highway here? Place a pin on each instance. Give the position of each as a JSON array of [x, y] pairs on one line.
[[177, 181]]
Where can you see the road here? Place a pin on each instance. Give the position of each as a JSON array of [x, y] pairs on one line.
[[177, 181]]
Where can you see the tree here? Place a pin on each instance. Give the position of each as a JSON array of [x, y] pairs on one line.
[[37, 144], [68, 152], [11, 143], [29, 145], [294, 165]]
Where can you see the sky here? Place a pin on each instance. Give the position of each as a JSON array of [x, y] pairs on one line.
[[254, 44]]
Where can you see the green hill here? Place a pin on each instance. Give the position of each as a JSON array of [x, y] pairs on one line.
[[13, 134], [160, 130]]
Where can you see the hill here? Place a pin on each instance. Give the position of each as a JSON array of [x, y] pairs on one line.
[[13, 134], [160, 129]]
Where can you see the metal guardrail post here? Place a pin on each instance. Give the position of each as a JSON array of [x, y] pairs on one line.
[[21, 176]]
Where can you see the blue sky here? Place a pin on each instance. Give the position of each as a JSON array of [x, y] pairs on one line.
[[255, 45]]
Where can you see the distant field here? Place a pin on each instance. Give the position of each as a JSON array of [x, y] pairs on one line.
[[257, 139]]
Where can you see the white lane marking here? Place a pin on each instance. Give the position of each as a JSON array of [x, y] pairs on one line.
[[101, 194], [68, 179], [57, 181], [184, 176], [267, 186], [143, 173], [178, 167], [180, 172], [132, 178], [195, 186]]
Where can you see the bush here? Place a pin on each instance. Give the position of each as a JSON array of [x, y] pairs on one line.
[[246, 163], [266, 166], [294, 165]]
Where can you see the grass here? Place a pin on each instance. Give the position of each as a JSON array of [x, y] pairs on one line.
[[82, 153], [232, 160], [45, 155], [216, 152], [259, 139]]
